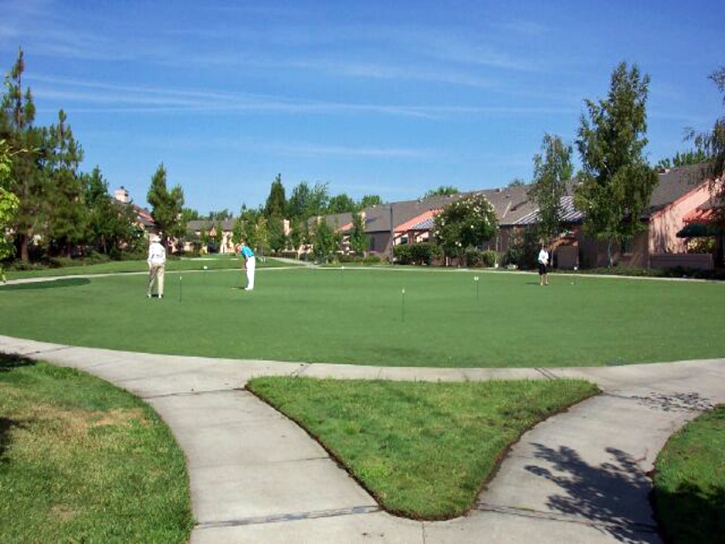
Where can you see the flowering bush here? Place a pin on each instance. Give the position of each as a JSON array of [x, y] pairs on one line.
[[465, 223]]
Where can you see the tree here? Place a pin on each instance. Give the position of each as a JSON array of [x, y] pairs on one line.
[[443, 190], [370, 200], [324, 240], [277, 238], [17, 114], [8, 206], [685, 158], [616, 180], [341, 204], [359, 242], [552, 169], [110, 224], [712, 144], [64, 212], [516, 182], [166, 206], [276, 202], [465, 223]]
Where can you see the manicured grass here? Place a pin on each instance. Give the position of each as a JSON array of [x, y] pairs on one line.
[[690, 482], [82, 461], [212, 262], [360, 317], [422, 449]]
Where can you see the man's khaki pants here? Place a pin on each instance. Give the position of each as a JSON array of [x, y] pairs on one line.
[[156, 274]]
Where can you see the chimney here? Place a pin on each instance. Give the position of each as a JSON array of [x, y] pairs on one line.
[[121, 195]]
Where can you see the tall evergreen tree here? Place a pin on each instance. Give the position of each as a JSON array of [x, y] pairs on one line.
[[552, 169], [64, 210], [276, 202], [166, 206], [17, 115], [617, 182]]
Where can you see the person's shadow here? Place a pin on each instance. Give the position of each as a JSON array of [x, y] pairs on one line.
[[49, 284]]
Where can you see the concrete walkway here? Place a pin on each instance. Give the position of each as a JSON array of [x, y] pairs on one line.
[[580, 476]]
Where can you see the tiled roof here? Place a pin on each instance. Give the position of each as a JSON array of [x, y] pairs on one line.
[[205, 224], [569, 214]]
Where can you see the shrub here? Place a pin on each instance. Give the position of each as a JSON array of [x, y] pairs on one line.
[[372, 259], [422, 253]]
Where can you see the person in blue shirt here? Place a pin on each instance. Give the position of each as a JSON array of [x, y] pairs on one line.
[[250, 263]]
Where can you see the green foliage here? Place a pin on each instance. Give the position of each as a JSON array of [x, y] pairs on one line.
[[465, 223], [8, 207], [476, 258], [617, 182], [552, 170], [523, 249], [276, 204], [277, 238], [443, 190], [325, 241], [422, 449], [685, 158], [341, 204], [166, 206], [306, 202], [359, 242], [370, 200], [423, 253]]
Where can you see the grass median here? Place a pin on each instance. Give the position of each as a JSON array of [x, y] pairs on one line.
[[689, 482], [424, 450], [83, 461]]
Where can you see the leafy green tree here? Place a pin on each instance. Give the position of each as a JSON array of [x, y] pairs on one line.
[[443, 190], [276, 204], [189, 214], [261, 234], [341, 204], [616, 180], [359, 242], [110, 224], [306, 202], [299, 233], [17, 114], [221, 215], [552, 169], [712, 145], [685, 158], [8, 207], [516, 182], [323, 241], [277, 238], [368, 201], [166, 206], [64, 212], [218, 235], [465, 223]]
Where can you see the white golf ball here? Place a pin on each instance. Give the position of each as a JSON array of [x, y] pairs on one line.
[[205, 268]]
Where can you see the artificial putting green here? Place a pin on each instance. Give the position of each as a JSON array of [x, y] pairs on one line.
[[362, 316]]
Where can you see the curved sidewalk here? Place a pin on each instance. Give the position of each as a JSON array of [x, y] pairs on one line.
[[255, 476]]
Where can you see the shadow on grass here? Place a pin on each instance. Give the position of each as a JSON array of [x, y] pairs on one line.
[[691, 514], [8, 361], [46, 284], [6, 425], [613, 497]]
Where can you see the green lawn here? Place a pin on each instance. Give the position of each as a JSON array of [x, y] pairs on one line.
[[362, 316], [690, 482], [212, 262], [82, 461], [422, 449]]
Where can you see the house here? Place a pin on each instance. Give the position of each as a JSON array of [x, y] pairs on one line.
[[197, 228], [144, 219]]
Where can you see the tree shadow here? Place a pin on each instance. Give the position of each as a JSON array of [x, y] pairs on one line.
[[9, 361], [613, 497], [691, 514], [675, 402], [6, 425], [49, 284]]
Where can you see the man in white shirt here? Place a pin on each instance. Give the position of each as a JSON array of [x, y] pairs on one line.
[[543, 266], [156, 262]]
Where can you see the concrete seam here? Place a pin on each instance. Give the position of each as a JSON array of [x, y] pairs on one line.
[[539, 514], [301, 370], [294, 516], [191, 393], [546, 373]]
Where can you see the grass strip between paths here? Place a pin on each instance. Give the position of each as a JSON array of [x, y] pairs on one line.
[[83, 461], [423, 450], [690, 482]]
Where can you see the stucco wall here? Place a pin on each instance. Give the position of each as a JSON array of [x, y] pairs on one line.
[[666, 223]]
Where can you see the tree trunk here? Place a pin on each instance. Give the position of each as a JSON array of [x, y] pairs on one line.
[[24, 248], [610, 258]]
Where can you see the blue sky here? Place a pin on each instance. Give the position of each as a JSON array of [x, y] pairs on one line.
[[373, 97]]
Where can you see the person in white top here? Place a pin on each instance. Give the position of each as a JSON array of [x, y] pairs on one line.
[[543, 265], [156, 262]]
